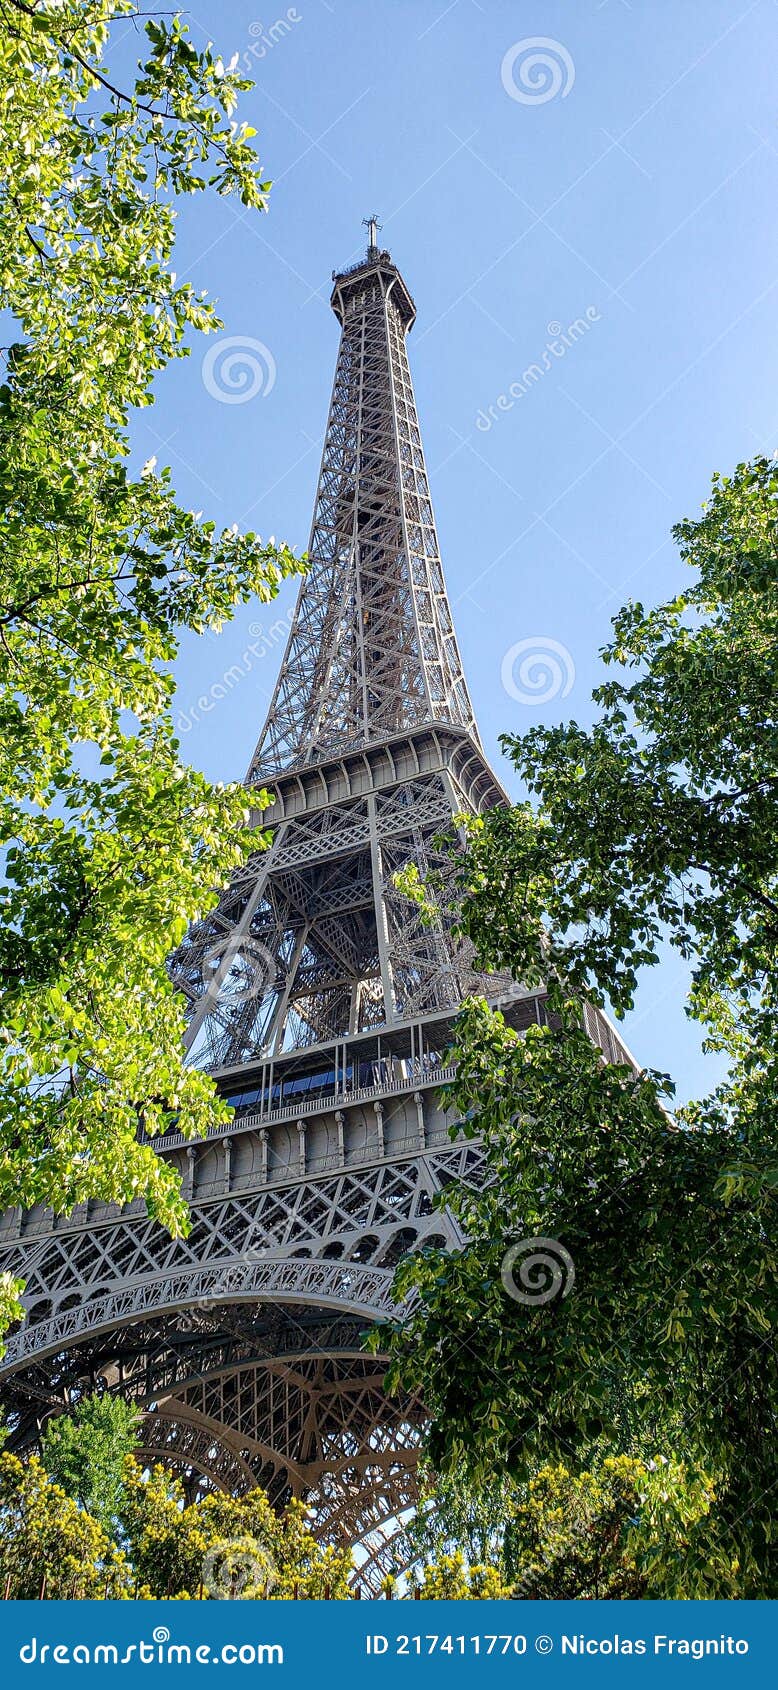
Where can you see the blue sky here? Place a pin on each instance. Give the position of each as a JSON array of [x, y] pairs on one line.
[[636, 196]]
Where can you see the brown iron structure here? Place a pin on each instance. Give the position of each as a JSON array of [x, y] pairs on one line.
[[324, 1007]]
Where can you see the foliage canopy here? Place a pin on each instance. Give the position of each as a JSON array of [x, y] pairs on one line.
[[660, 822], [110, 843], [85, 1453]]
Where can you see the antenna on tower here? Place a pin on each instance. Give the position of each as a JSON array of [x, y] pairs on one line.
[[372, 225]]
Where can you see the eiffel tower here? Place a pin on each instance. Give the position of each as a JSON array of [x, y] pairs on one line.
[[324, 1008]]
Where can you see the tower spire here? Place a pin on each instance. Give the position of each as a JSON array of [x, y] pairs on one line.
[[372, 649]]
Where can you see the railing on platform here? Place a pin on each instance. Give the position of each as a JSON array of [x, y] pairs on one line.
[[340, 1098]]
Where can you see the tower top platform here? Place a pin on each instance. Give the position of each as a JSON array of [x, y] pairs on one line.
[[378, 266]]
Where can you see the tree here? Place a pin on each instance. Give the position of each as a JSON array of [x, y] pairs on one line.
[[110, 843], [452, 1515], [624, 1528], [221, 1548], [628, 1529], [85, 1453], [642, 1313], [48, 1545], [451, 1578], [224, 1546]]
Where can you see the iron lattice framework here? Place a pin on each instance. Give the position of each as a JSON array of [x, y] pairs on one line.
[[324, 1007], [372, 652]]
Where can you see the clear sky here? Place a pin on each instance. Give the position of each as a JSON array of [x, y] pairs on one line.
[[622, 176]]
